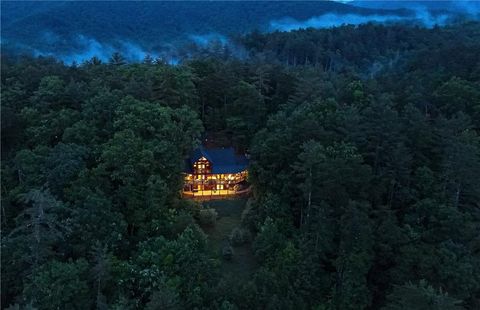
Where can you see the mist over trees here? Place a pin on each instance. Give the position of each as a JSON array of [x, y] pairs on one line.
[[365, 165], [75, 31]]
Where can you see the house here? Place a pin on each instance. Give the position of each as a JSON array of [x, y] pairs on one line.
[[214, 173]]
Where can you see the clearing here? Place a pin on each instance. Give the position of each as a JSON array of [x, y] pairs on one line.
[[229, 211]]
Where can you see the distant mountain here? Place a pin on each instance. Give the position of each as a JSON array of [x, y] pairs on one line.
[[463, 6], [77, 30], [59, 27]]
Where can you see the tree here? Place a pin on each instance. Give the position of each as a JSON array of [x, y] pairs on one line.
[[268, 240], [311, 157], [101, 274], [50, 93], [355, 258], [248, 113], [62, 165], [181, 266], [38, 228], [175, 88], [117, 59], [165, 298], [57, 285], [421, 296], [28, 167], [458, 95], [153, 122], [460, 161], [94, 221], [332, 174]]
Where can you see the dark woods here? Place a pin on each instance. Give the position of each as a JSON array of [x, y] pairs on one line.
[[365, 168]]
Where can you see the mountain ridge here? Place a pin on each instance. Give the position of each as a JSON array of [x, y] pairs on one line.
[[78, 30]]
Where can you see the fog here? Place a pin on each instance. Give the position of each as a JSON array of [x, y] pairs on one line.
[[86, 48], [207, 39], [78, 48], [468, 7], [329, 20], [418, 15]]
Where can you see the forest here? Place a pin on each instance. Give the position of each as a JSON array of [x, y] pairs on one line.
[[365, 169], [63, 27]]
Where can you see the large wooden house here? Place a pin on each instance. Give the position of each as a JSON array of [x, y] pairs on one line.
[[215, 172]]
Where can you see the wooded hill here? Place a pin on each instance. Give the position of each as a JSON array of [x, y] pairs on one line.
[[70, 27], [365, 165]]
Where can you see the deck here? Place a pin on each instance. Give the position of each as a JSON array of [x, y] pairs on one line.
[[215, 194]]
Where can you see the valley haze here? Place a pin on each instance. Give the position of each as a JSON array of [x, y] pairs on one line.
[[76, 31]]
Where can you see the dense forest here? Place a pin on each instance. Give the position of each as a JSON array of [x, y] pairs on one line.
[[365, 168], [57, 26], [78, 30]]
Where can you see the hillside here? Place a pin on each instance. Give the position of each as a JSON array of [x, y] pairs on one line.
[[76, 27], [293, 156]]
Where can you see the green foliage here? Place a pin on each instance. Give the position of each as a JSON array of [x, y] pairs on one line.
[[354, 259], [207, 217], [58, 285], [38, 227], [227, 252], [181, 264], [50, 92], [165, 298], [268, 240], [94, 220], [38, 232], [240, 236], [62, 166], [364, 168], [420, 296]]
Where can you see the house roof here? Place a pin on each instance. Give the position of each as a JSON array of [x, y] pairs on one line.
[[223, 160]]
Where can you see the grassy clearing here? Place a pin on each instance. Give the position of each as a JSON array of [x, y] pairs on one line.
[[229, 216]]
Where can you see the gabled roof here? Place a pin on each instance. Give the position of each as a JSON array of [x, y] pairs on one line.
[[223, 160]]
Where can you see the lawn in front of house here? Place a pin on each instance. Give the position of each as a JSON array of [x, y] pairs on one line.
[[229, 212]]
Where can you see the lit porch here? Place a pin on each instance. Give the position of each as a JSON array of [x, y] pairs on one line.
[[215, 194]]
